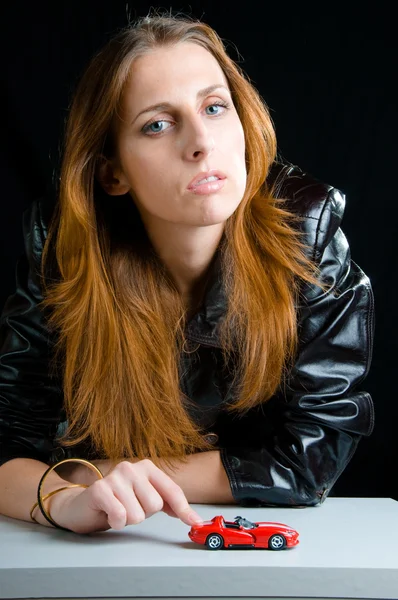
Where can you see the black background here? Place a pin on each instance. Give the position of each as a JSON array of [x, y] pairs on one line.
[[328, 76]]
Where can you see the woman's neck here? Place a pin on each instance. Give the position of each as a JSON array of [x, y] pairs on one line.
[[187, 253]]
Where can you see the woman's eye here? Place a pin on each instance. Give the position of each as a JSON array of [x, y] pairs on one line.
[[155, 127], [215, 108]]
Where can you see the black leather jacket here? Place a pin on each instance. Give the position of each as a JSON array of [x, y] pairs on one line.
[[287, 452]]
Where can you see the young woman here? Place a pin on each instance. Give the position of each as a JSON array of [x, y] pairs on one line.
[[187, 317]]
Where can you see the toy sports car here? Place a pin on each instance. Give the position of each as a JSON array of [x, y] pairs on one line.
[[241, 533]]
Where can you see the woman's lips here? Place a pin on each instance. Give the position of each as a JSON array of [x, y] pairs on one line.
[[199, 186], [209, 187]]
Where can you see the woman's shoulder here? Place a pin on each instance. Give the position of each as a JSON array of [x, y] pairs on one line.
[[37, 216], [35, 223], [319, 205]]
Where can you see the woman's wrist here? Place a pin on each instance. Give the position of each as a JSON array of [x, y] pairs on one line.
[[56, 506], [78, 473]]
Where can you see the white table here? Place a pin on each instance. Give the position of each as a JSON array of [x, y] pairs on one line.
[[348, 549]]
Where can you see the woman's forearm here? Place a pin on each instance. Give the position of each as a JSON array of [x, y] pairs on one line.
[[19, 480], [203, 479]]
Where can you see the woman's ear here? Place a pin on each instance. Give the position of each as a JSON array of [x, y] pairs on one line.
[[111, 178]]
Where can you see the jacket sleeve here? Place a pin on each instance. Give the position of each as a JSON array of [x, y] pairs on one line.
[[319, 417], [30, 399]]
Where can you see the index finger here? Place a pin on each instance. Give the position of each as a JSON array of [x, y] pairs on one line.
[[174, 496]]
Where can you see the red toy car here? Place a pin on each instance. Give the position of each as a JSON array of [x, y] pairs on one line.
[[241, 533]]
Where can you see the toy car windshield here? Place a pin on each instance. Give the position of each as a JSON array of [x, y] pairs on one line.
[[245, 523]]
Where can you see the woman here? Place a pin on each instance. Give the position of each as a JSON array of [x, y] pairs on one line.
[[187, 316]]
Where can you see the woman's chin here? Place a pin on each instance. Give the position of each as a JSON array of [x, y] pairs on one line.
[[216, 213]]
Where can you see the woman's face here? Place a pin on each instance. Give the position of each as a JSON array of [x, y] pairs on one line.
[[178, 123]]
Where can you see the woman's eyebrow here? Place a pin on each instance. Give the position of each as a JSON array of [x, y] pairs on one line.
[[163, 105]]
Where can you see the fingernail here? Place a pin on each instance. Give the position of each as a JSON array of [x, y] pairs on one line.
[[195, 518]]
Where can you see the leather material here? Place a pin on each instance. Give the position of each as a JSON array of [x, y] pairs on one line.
[[288, 451]]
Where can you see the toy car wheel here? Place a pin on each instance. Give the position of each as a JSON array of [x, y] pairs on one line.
[[214, 541], [276, 542]]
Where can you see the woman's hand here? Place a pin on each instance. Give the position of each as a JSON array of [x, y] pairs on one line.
[[129, 494]]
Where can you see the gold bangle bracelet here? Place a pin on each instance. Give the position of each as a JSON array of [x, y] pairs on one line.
[[40, 500], [66, 487]]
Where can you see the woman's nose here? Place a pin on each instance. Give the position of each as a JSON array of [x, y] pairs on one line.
[[199, 141]]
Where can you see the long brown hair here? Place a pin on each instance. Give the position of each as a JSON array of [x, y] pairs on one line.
[[119, 318]]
